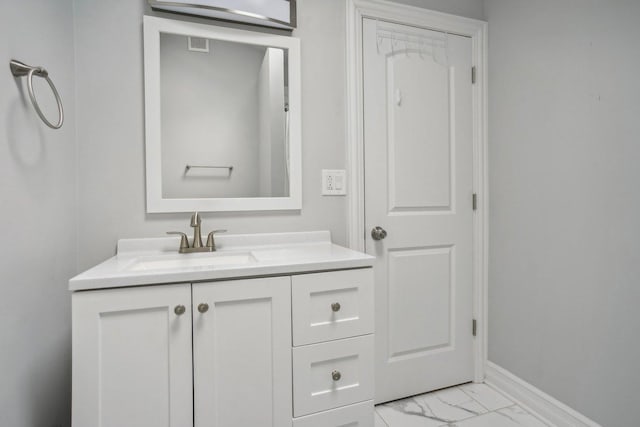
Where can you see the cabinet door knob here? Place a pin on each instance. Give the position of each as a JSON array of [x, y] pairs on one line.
[[336, 375], [179, 310], [203, 307], [335, 306]]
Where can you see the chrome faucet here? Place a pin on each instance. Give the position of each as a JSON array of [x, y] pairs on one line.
[[196, 245]]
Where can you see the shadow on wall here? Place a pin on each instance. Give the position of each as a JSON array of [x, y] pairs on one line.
[[25, 138], [49, 382]]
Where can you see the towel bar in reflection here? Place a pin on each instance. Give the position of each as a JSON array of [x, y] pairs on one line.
[[187, 168], [20, 69]]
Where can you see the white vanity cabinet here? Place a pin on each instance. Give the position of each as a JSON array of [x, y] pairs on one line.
[[132, 355], [278, 345]]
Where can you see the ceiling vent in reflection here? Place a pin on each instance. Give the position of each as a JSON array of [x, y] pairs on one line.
[[198, 44]]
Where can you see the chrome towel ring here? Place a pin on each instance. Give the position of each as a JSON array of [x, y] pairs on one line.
[[19, 69]]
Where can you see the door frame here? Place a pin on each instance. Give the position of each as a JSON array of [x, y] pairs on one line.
[[428, 19]]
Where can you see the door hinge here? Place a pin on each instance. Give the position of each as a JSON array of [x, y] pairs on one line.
[[474, 327], [474, 201], [473, 75]]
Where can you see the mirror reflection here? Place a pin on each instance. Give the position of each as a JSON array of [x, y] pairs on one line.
[[224, 119]]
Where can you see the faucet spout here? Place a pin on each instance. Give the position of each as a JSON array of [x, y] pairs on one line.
[[196, 221]]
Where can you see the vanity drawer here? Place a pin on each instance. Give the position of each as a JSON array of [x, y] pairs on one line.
[[332, 374], [332, 305], [358, 415]]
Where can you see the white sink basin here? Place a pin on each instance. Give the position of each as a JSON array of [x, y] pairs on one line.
[[205, 260]]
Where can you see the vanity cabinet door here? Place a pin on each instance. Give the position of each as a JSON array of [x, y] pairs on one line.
[[132, 357], [242, 353]]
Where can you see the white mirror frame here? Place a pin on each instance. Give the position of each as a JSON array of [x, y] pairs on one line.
[[155, 202]]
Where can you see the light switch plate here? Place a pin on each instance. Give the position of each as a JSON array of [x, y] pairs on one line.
[[334, 182]]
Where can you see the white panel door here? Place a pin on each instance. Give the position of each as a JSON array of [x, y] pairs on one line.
[[418, 187], [242, 353], [132, 357]]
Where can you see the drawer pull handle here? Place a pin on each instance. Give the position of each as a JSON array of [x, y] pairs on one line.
[[179, 310], [335, 306], [336, 375], [203, 307]]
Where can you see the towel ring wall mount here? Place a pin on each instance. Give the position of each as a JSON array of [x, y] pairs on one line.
[[20, 69]]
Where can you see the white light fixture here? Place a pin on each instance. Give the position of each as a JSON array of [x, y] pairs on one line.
[[270, 13]]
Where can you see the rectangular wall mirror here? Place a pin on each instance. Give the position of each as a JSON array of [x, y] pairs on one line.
[[222, 118]]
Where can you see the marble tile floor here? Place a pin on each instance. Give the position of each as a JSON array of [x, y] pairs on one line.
[[467, 405]]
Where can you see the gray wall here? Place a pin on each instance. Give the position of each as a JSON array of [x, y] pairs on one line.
[[37, 219], [209, 116], [564, 246], [564, 207], [110, 127], [79, 189]]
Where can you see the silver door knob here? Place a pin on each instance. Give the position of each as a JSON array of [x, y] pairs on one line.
[[179, 310], [203, 307], [335, 306], [336, 375], [378, 233]]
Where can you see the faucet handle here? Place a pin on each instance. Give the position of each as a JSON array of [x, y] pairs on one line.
[[210, 242], [184, 241]]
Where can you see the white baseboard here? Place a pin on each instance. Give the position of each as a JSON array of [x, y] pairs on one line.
[[535, 400]]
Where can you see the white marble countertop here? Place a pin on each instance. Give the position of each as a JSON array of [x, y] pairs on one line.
[[156, 260]]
